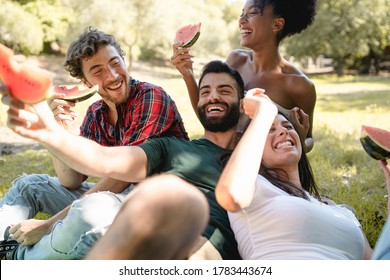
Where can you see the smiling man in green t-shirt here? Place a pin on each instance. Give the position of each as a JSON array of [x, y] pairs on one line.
[[197, 162]]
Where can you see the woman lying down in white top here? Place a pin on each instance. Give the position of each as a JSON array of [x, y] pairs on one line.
[[269, 190]]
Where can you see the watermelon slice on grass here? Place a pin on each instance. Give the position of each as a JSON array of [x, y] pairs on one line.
[[188, 34], [76, 93], [376, 142]]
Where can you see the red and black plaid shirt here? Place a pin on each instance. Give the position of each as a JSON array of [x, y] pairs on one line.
[[148, 113]]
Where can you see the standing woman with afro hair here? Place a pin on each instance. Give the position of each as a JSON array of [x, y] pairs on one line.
[[263, 25]]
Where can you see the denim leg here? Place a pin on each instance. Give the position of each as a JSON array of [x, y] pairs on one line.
[[88, 219], [382, 247], [35, 193]]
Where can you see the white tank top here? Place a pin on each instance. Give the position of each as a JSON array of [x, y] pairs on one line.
[[278, 226]]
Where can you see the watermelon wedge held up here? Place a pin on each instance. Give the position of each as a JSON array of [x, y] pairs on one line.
[[27, 83], [376, 142], [76, 93], [188, 34]]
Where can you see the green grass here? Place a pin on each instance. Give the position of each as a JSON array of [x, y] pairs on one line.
[[342, 169]]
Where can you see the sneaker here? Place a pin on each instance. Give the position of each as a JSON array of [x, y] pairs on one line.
[[7, 247]]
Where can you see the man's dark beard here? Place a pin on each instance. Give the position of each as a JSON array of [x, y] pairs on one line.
[[220, 124]]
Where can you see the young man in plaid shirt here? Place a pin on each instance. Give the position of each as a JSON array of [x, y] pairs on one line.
[[129, 113]]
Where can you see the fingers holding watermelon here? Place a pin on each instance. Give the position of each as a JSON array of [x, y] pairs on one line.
[[32, 121], [182, 59], [185, 38], [62, 110]]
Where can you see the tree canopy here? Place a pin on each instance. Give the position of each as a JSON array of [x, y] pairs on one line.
[[344, 30]]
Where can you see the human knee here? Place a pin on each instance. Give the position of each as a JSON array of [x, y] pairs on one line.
[[96, 209], [167, 194], [174, 213], [32, 180], [28, 186]]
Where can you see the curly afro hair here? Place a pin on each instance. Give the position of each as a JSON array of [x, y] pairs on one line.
[[298, 14]]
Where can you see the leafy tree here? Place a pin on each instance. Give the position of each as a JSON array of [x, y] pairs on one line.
[[19, 29], [28, 26], [344, 30], [54, 19]]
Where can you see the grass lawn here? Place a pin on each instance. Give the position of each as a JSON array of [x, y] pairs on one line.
[[342, 169]]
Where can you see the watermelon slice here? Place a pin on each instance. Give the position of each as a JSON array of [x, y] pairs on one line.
[[27, 83], [188, 34], [376, 142], [76, 93]]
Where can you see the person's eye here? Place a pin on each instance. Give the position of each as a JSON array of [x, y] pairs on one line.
[[97, 73], [115, 64], [289, 127]]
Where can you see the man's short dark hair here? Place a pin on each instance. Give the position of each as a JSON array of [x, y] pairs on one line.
[[217, 66]]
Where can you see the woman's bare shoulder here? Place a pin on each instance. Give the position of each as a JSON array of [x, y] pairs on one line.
[[296, 76], [238, 57]]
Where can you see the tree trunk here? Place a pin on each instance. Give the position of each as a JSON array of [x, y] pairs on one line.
[[339, 66]]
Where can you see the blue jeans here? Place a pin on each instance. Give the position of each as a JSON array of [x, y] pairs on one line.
[[70, 238], [382, 247], [35, 193]]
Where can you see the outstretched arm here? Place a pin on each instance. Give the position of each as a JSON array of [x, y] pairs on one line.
[[234, 190], [182, 60], [126, 163]]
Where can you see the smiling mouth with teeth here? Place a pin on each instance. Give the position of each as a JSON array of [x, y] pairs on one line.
[[245, 32], [214, 109], [115, 86], [284, 144]]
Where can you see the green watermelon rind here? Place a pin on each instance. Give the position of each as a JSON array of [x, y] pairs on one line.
[[83, 97], [80, 98], [192, 41], [373, 149]]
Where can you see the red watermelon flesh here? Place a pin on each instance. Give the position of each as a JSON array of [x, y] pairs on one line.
[[27, 83], [376, 142], [188, 34], [76, 93]]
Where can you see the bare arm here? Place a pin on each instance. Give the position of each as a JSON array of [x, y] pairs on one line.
[[234, 190], [65, 116], [126, 163], [182, 60], [306, 102], [386, 170]]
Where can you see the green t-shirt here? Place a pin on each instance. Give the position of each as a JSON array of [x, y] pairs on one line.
[[197, 162]]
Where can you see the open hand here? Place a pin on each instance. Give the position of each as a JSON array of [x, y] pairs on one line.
[[256, 100]]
